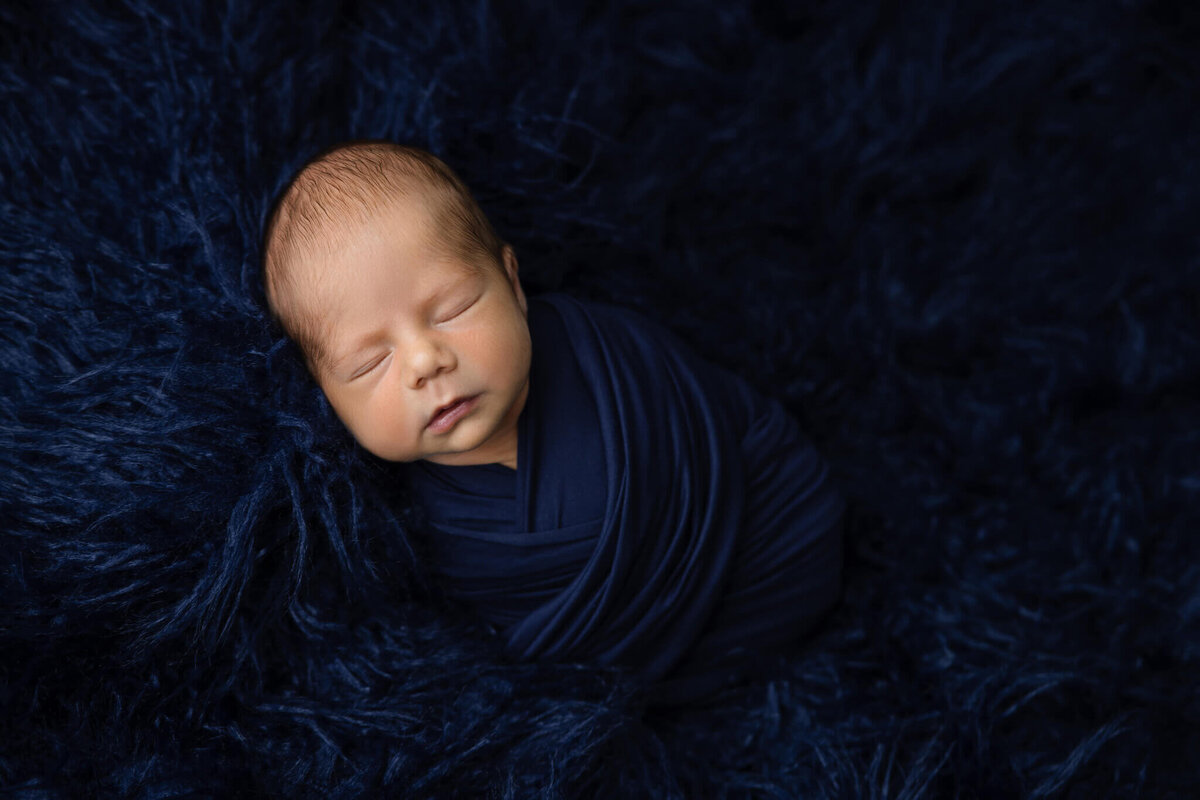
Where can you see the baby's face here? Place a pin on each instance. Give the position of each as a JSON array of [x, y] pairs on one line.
[[428, 355]]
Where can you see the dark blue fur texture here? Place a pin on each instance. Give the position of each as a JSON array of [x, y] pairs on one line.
[[958, 239]]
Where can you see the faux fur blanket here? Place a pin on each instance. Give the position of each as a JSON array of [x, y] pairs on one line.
[[956, 239]]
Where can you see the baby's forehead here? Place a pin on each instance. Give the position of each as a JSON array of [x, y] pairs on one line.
[[310, 231], [329, 242]]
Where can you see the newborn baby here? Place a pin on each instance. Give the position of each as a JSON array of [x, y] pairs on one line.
[[596, 491]]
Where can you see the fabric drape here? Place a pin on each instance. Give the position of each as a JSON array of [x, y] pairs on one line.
[[663, 515]]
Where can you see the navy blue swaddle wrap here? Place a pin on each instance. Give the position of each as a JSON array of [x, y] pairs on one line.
[[663, 515]]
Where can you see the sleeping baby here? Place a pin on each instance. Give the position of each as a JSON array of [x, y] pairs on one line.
[[595, 491]]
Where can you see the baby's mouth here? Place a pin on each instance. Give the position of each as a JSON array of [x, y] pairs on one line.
[[445, 417]]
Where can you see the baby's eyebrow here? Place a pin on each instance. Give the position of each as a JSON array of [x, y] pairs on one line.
[[450, 286], [356, 349], [338, 363]]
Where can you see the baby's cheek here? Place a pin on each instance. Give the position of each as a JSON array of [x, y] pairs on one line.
[[392, 428], [507, 340]]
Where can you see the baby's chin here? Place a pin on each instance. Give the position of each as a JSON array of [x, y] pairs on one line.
[[471, 452], [390, 451]]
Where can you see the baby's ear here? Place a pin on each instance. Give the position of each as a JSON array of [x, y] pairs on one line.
[[508, 259]]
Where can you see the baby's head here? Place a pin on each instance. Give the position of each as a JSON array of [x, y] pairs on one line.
[[404, 302]]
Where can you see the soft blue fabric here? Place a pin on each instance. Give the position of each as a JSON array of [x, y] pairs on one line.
[[956, 239], [663, 517]]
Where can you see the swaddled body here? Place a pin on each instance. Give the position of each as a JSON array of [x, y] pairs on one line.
[[663, 516], [596, 491]]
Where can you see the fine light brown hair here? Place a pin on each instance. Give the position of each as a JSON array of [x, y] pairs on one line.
[[345, 184]]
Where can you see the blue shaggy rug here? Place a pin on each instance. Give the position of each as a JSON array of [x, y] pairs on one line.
[[957, 239]]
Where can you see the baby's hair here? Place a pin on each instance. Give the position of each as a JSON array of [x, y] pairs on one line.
[[350, 182]]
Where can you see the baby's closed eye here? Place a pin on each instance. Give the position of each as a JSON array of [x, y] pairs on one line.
[[369, 366], [458, 308], [457, 302]]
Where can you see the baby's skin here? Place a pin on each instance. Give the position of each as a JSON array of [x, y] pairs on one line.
[[424, 348]]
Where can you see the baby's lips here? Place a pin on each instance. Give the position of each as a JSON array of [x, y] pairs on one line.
[[447, 415], [444, 407]]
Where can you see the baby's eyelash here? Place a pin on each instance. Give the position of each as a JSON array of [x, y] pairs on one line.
[[460, 309], [368, 367]]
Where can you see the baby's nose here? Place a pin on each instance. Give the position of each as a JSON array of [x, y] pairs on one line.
[[427, 360]]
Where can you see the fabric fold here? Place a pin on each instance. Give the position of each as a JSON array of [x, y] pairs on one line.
[[663, 516]]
